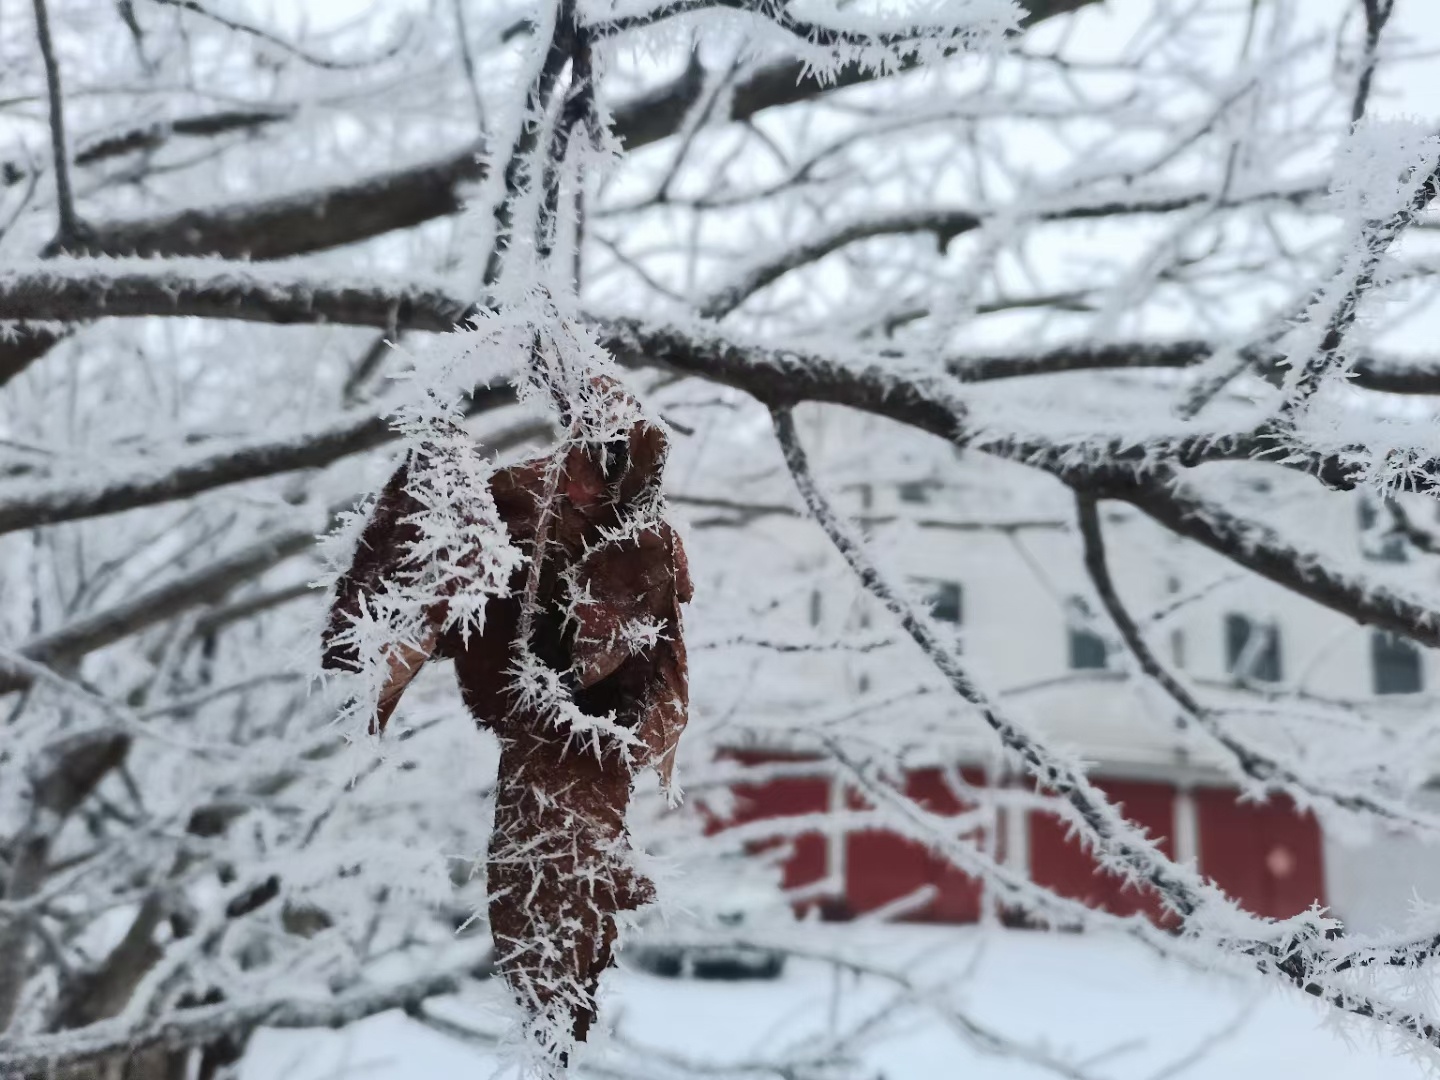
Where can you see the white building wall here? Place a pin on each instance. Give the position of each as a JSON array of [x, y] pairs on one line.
[[1016, 584]]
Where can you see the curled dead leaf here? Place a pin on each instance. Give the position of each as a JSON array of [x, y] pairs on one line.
[[606, 623]]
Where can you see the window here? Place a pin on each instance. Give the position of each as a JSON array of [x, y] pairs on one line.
[[1252, 649], [1088, 650], [914, 491], [1379, 541], [1177, 647], [815, 609], [1395, 664], [946, 602]]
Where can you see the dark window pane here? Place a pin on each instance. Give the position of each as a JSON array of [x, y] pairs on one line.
[[1177, 647], [815, 600], [1087, 649], [1252, 651], [946, 602], [1396, 665], [915, 491]]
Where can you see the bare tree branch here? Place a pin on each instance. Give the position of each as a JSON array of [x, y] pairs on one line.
[[1377, 14], [1353, 283], [1306, 963], [154, 136], [46, 505], [22, 345], [69, 229], [85, 289], [346, 213], [946, 225], [1260, 549], [70, 770], [73, 289], [782, 377], [299, 222], [1253, 763], [43, 1054], [207, 585], [1372, 372], [270, 38]]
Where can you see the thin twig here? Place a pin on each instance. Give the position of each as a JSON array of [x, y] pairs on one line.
[[1253, 763], [519, 168], [1377, 14], [1179, 888], [467, 60], [1375, 240], [69, 230], [1296, 949], [278, 42]]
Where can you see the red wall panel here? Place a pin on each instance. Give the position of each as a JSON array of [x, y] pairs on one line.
[[785, 797], [881, 867], [1059, 862], [1268, 856]]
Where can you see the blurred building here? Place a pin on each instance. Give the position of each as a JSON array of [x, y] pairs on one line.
[[992, 550]]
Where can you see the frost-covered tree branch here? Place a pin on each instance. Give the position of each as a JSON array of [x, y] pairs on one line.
[[1301, 955], [1167, 260], [205, 1023], [1253, 762], [946, 225], [80, 289]]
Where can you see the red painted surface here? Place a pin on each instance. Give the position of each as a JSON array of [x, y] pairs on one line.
[[1059, 862], [881, 868], [780, 798], [1268, 856]]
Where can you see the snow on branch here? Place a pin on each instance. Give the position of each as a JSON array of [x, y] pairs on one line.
[[1369, 371], [83, 289], [1261, 549], [27, 504], [1386, 175], [349, 211], [92, 288], [946, 225], [784, 376], [934, 30], [1259, 766], [205, 586], [1300, 949], [41, 1054], [1180, 888]]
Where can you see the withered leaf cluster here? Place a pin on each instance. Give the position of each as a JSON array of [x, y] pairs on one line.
[[604, 618]]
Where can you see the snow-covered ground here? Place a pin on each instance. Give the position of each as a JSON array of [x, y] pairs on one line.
[[1102, 1006]]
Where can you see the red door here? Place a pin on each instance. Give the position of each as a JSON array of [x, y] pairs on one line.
[[1267, 856], [1059, 862], [882, 868]]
